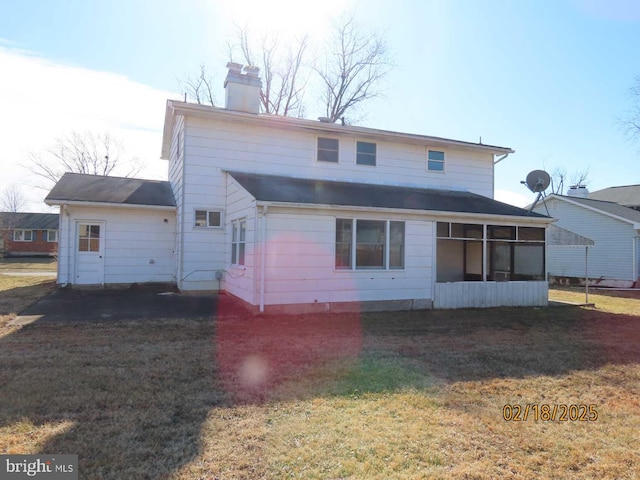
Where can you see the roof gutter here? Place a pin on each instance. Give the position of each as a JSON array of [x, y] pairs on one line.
[[108, 204]]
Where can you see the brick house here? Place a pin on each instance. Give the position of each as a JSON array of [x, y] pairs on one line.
[[28, 234]]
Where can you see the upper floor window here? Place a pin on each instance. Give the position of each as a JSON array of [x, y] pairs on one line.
[[328, 149], [52, 235], [366, 153], [435, 161], [22, 235], [208, 218]]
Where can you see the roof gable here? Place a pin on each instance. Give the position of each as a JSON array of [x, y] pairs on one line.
[[82, 188], [271, 188], [610, 209]]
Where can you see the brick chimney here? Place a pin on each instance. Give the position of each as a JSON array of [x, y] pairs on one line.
[[242, 90], [579, 191]]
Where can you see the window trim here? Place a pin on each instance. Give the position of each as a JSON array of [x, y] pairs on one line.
[[354, 246], [208, 211], [442, 162], [237, 242], [375, 155], [337, 139], [23, 230], [49, 238]]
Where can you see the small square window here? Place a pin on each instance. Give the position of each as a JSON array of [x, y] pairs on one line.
[[52, 235], [366, 153], [328, 149], [208, 218], [435, 161]]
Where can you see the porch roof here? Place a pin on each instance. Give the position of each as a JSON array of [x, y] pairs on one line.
[[271, 188]]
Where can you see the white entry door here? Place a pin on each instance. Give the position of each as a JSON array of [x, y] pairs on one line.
[[89, 253]]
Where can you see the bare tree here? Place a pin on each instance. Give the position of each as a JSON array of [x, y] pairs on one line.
[[560, 179], [354, 64], [87, 152], [282, 71], [631, 122], [13, 200], [199, 88]]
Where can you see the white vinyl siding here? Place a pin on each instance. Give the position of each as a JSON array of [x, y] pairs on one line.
[[610, 257], [213, 145], [139, 245], [300, 262]]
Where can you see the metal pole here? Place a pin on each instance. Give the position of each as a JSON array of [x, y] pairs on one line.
[[586, 274]]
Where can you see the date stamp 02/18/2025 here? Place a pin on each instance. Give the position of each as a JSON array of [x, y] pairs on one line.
[[559, 412]]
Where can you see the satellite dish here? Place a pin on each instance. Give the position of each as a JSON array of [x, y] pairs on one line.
[[538, 181]]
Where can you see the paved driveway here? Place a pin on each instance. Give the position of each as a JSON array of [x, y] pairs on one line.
[[103, 305]]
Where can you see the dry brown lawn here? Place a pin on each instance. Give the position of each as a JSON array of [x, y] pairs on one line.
[[402, 395], [44, 264]]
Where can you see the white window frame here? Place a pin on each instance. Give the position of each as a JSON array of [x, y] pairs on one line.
[[49, 236], [354, 246], [318, 148], [375, 155], [238, 243], [19, 235], [442, 162], [208, 212]]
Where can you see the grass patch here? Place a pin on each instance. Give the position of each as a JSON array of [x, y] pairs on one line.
[[17, 293], [389, 395], [45, 264], [611, 301]]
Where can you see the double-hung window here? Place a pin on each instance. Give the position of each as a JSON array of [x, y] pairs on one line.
[[328, 150], [369, 244], [52, 235], [238, 241], [435, 161], [366, 153], [20, 235]]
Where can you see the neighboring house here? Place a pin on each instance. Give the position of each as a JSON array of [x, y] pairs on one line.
[[286, 213], [28, 234], [614, 259], [626, 195]]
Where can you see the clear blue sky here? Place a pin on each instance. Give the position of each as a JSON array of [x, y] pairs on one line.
[[549, 79]]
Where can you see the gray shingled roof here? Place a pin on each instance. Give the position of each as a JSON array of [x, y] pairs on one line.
[[270, 188], [29, 221], [628, 195], [77, 187], [609, 207]]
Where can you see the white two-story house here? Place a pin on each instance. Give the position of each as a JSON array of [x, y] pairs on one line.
[[303, 215]]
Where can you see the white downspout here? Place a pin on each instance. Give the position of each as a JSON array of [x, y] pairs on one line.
[[636, 249], [498, 160], [66, 213], [263, 255]]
